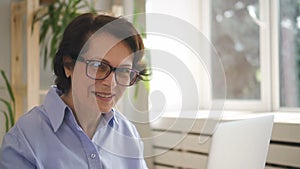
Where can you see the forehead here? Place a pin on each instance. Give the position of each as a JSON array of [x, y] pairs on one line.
[[106, 46]]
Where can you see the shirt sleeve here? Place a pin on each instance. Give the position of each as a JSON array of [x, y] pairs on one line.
[[13, 154]]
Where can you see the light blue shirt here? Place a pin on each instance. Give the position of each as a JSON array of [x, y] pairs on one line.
[[48, 137]]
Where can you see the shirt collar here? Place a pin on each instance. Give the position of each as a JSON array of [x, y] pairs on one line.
[[110, 117], [55, 107]]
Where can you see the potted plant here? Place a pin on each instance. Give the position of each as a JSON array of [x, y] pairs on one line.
[[9, 113], [54, 17]]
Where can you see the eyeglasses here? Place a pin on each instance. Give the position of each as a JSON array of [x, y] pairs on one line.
[[99, 70]]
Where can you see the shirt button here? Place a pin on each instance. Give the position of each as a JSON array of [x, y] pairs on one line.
[[93, 155]]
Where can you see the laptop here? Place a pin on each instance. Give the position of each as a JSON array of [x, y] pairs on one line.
[[241, 144]]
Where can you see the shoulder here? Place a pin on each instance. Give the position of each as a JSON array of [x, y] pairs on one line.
[[32, 119], [30, 124], [18, 141]]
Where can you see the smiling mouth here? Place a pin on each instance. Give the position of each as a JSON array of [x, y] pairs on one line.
[[103, 95]]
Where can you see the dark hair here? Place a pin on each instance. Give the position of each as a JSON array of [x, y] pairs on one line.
[[81, 29]]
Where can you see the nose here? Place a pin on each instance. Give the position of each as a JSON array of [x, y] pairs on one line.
[[110, 80]]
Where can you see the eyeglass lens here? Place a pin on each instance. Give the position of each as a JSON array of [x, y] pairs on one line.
[[100, 70]]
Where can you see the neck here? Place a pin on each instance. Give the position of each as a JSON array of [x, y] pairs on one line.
[[87, 120]]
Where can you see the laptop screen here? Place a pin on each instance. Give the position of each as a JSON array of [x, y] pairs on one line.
[[241, 144]]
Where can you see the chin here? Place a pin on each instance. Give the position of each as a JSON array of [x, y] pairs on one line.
[[105, 110], [105, 107]]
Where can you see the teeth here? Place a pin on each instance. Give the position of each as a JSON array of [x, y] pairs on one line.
[[103, 95]]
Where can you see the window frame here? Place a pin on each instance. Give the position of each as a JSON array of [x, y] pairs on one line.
[[269, 63], [264, 104], [275, 74]]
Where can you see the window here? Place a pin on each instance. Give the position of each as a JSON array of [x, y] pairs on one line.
[[235, 34], [289, 52], [241, 34], [258, 44]]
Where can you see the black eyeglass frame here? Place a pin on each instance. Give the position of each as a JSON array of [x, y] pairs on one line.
[[112, 69]]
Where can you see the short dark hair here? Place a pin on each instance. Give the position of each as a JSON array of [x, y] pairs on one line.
[[81, 29]]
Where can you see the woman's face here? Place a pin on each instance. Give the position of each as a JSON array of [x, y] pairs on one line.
[[100, 95]]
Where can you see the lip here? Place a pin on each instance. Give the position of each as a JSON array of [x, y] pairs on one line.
[[103, 96]]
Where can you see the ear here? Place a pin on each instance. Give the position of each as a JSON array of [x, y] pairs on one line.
[[68, 66]]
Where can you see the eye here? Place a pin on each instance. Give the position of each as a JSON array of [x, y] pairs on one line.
[[95, 64], [123, 70], [98, 66]]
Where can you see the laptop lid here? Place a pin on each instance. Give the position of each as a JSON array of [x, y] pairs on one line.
[[241, 144]]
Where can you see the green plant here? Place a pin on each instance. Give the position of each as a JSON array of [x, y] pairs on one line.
[[10, 105], [54, 18]]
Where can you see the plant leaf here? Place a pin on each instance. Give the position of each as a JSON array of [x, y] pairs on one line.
[[10, 111], [54, 20], [9, 89], [6, 120]]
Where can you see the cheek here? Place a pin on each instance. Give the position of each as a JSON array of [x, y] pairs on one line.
[[78, 74], [80, 82], [81, 92], [120, 91]]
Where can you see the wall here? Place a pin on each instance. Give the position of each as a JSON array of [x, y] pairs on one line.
[[5, 52]]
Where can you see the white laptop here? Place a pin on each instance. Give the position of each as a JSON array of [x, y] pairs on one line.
[[241, 144]]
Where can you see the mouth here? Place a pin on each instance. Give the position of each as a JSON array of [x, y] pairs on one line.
[[103, 96]]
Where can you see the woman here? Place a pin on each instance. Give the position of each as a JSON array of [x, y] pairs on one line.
[[77, 126]]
